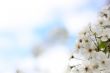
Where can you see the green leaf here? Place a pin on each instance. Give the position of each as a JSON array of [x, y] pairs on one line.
[[102, 45]]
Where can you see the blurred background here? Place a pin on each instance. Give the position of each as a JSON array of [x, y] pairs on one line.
[[38, 36]]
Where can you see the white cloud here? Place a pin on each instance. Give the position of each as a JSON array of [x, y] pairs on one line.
[[25, 63], [24, 40], [52, 61], [22, 14], [75, 22], [7, 66], [6, 43]]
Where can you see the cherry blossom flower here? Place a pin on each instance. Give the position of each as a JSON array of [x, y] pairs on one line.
[[92, 53]]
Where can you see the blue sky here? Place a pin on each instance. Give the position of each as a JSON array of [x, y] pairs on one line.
[[25, 23]]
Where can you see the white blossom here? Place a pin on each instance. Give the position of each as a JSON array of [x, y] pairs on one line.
[[92, 53]]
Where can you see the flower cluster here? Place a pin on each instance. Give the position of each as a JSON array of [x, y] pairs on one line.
[[92, 53]]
